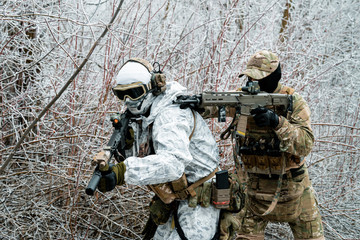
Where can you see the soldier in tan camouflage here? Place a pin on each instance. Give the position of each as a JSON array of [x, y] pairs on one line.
[[273, 159], [272, 153]]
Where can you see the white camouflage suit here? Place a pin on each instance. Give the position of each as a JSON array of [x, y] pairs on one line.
[[174, 155]]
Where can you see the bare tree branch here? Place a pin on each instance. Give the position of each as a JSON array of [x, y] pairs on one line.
[[32, 125]]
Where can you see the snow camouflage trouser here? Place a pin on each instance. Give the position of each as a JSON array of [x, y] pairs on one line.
[[305, 223]]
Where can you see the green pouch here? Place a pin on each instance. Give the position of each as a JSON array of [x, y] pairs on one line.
[[193, 201], [237, 195], [159, 211], [205, 197]]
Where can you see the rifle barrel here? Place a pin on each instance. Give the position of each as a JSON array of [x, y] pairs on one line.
[[94, 182]]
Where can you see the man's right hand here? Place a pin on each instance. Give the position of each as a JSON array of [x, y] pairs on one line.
[[108, 178], [111, 175]]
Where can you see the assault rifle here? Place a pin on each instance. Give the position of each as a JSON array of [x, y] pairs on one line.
[[115, 147], [243, 101]]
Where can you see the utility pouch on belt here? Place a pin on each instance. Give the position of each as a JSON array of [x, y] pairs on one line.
[[170, 191], [159, 211], [221, 190], [164, 192], [180, 185]]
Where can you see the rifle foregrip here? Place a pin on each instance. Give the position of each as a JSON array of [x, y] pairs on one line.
[[94, 182]]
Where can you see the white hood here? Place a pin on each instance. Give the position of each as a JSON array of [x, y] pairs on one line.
[[173, 89]]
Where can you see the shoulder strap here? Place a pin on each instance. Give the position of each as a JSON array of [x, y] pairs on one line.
[[287, 90], [192, 133], [191, 189]]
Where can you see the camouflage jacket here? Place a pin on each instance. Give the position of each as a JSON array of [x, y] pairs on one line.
[[294, 131]]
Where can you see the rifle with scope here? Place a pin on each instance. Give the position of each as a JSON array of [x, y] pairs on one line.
[[115, 147], [250, 97]]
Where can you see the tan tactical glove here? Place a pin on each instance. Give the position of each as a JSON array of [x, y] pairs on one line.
[[229, 224], [100, 159]]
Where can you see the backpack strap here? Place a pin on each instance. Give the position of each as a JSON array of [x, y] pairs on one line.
[[192, 133], [287, 90]]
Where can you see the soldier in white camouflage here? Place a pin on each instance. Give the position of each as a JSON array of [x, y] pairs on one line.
[[173, 153], [273, 158]]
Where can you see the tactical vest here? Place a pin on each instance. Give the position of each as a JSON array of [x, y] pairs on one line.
[[259, 149], [178, 189]]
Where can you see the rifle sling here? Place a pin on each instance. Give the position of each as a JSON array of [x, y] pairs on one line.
[[192, 133], [226, 134]]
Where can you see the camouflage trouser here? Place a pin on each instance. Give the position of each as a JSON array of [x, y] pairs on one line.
[[307, 225]]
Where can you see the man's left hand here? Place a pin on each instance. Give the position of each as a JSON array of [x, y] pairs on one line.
[[265, 117]]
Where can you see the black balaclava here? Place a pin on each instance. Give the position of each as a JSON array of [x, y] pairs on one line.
[[270, 83]]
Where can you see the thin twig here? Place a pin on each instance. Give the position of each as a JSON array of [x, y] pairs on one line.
[[32, 125]]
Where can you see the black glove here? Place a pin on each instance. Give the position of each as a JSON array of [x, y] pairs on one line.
[[112, 175], [265, 117], [193, 102]]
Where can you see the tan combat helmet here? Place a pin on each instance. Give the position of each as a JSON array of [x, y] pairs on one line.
[[143, 62], [261, 65]]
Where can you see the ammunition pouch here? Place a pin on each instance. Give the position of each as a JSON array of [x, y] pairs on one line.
[[203, 196], [268, 164], [170, 191], [264, 156], [262, 164], [231, 199], [261, 189], [220, 197]]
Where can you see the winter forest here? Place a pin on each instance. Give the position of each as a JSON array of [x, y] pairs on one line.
[[58, 60]]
